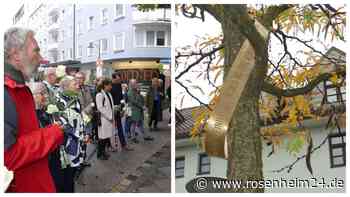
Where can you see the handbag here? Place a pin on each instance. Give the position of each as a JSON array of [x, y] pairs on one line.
[[128, 111], [98, 114], [98, 118]]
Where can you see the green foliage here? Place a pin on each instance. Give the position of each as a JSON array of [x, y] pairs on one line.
[[295, 144], [151, 7], [161, 68]]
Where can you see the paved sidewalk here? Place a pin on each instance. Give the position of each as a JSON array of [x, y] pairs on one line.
[[104, 176], [154, 176]]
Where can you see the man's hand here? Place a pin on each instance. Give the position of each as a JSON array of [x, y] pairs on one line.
[[64, 125]]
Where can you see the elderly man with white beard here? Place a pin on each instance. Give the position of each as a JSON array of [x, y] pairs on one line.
[[26, 146]]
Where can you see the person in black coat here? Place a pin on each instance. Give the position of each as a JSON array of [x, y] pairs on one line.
[[117, 95], [168, 92]]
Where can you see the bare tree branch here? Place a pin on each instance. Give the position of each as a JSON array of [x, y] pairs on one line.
[[326, 10], [289, 167], [305, 43], [193, 96], [203, 55], [208, 72]]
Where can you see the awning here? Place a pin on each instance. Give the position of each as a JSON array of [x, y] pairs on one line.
[[165, 61]]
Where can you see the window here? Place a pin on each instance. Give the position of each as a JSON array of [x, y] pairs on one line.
[[62, 36], [168, 38], [90, 51], [80, 51], [118, 42], [119, 11], [104, 16], [78, 7], [70, 53], [337, 150], [54, 55], [62, 55], [103, 46], [335, 94], [180, 167], [160, 38], [139, 38], [145, 38], [204, 164], [70, 31], [80, 28], [53, 37], [150, 38], [90, 24], [53, 19]]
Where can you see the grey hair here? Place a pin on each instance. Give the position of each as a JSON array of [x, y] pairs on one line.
[[80, 73], [37, 87], [15, 38], [49, 70], [131, 82], [65, 82]]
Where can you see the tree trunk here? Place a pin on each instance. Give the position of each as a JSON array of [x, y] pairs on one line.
[[244, 141]]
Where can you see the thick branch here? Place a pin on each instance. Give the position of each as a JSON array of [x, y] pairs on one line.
[[247, 27], [272, 13], [192, 14], [214, 10], [271, 89]]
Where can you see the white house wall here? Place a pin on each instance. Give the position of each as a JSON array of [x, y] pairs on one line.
[[320, 162]]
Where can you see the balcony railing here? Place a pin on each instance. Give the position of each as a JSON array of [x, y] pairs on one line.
[[156, 16], [52, 46]]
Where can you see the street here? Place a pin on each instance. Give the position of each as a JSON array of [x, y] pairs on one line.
[[146, 169]]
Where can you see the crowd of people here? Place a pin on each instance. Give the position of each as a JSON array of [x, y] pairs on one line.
[[49, 123]]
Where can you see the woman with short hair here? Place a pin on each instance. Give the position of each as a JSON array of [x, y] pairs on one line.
[[40, 95], [104, 103], [71, 153]]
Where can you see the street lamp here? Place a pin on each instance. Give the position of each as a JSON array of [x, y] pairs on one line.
[[99, 61]]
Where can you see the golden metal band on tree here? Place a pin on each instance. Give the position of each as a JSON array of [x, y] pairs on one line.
[[215, 130]]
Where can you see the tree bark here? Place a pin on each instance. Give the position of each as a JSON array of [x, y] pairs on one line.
[[244, 141]]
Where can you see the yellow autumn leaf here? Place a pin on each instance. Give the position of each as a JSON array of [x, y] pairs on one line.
[[334, 79]]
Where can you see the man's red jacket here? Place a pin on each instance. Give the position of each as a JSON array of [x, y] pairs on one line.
[[28, 156]]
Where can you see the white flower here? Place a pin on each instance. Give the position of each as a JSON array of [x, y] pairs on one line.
[[86, 118], [60, 71], [52, 109], [8, 177]]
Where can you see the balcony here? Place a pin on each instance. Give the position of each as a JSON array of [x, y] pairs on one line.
[[53, 55], [53, 8], [53, 27], [54, 21], [52, 46], [152, 17]]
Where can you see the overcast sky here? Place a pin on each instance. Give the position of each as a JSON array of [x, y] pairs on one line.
[[186, 32]]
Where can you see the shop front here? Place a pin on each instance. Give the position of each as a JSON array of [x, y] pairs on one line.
[[141, 70]]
